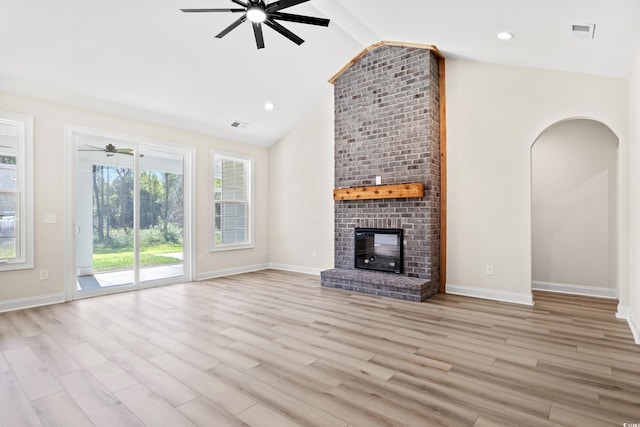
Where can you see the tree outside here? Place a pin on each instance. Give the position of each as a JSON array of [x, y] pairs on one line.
[[8, 206]]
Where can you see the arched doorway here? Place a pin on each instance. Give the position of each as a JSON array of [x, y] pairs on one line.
[[574, 214]]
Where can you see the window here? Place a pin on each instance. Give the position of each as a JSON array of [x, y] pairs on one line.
[[16, 192], [232, 214]]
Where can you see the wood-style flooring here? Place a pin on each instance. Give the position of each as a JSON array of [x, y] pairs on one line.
[[274, 349]]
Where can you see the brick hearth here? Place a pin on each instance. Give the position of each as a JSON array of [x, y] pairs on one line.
[[380, 284]]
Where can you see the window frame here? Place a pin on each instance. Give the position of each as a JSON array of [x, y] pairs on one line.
[[249, 162], [24, 258]]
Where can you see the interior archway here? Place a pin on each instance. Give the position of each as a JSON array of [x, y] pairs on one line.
[[574, 209]]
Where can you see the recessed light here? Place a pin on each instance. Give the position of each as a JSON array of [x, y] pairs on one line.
[[505, 35], [269, 106]]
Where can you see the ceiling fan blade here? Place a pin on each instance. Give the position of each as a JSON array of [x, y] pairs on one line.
[[311, 20], [128, 151], [90, 148], [241, 3], [257, 31], [212, 10], [232, 26], [283, 4], [282, 30]]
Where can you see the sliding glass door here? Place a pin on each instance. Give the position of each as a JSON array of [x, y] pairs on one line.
[[105, 216], [161, 189], [131, 213]]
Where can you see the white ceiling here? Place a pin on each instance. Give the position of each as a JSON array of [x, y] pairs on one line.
[[145, 59]]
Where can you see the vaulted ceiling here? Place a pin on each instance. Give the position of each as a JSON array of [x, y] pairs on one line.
[[145, 59]]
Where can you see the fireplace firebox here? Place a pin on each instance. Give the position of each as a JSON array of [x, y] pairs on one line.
[[379, 249]]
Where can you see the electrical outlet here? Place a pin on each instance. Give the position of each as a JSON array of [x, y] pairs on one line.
[[313, 253], [44, 274], [489, 270]]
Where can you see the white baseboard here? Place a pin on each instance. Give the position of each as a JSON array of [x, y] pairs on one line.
[[231, 271], [626, 314], [565, 288], [525, 299], [623, 312], [297, 269], [634, 326], [258, 267], [21, 303]]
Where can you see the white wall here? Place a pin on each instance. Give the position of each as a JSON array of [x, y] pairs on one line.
[[574, 208], [494, 114], [301, 188], [630, 306], [49, 183]]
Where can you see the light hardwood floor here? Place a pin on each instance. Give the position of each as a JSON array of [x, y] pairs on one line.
[[274, 349]]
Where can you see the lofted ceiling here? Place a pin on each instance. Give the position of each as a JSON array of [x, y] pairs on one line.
[[145, 59]]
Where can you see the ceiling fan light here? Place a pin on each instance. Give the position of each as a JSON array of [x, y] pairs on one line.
[[256, 14]]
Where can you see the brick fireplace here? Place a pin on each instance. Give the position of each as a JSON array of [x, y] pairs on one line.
[[387, 125]]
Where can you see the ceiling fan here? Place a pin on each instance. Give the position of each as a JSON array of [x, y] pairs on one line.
[[258, 12], [111, 150]]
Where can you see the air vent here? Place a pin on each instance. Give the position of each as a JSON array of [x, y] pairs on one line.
[[582, 31], [239, 125]]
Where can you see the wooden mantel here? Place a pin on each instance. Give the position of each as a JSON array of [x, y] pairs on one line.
[[396, 191]]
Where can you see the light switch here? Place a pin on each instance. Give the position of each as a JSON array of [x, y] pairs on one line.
[[50, 218]]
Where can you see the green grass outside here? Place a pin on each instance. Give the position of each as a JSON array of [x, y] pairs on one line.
[[109, 259], [7, 249]]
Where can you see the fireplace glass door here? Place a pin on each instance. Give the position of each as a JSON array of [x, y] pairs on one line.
[[379, 249]]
